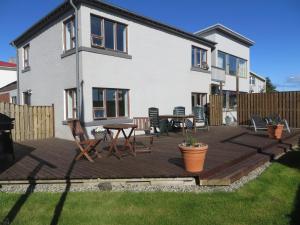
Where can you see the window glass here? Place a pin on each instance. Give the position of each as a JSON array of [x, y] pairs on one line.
[[109, 34], [198, 52], [123, 102], [96, 30], [203, 56], [111, 103], [98, 97], [221, 60], [121, 37], [70, 104], [232, 65], [242, 68], [26, 56]]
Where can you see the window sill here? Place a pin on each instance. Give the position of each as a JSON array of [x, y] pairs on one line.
[[101, 122], [198, 69], [97, 50], [26, 69]]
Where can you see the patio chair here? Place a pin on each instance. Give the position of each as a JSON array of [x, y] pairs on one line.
[[143, 125], [277, 119], [258, 123], [201, 122], [84, 144], [178, 111], [156, 122]]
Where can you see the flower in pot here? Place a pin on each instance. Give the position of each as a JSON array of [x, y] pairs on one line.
[[193, 154], [275, 129]]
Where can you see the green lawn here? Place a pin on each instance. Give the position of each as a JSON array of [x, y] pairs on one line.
[[274, 198]]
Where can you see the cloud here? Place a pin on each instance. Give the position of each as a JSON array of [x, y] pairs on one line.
[[293, 79]]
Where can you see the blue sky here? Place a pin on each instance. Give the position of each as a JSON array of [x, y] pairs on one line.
[[273, 25]]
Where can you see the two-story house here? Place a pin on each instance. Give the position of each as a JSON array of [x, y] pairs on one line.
[[257, 83], [126, 64]]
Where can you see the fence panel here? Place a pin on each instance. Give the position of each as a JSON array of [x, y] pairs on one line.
[[31, 122], [284, 104], [215, 110]]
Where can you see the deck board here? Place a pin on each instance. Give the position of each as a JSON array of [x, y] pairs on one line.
[[52, 159]]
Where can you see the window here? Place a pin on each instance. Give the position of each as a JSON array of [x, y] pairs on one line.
[[110, 103], [199, 99], [13, 100], [69, 34], [70, 104], [232, 64], [26, 56], [26, 98], [252, 80], [199, 57], [108, 34]]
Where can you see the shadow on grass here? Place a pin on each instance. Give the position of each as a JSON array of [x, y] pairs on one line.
[[295, 216]]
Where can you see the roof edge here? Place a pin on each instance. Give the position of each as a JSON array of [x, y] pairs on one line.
[[220, 27], [257, 75]]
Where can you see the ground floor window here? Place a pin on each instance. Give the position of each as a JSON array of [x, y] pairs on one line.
[[70, 104], [229, 100], [13, 99], [26, 98], [199, 99], [110, 103]]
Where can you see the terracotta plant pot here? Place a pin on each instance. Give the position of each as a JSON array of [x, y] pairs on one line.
[[275, 131], [193, 157]]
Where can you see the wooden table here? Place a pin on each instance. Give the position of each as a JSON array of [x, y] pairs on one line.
[[182, 118], [113, 150]]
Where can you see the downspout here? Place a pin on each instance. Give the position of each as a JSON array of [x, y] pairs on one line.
[[18, 74], [78, 105]]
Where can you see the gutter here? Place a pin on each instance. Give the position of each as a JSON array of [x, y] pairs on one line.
[[18, 74], [78, 105]]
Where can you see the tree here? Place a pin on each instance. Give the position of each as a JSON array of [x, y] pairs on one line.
[[270, 87]]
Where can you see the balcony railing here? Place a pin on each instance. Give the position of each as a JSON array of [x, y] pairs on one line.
[[218, 74]]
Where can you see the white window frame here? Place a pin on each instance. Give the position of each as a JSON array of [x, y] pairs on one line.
[[26, 50], [74, 103], [194, 52], [72, 35]]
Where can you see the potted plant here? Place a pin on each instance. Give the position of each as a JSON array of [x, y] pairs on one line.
[[275, 129], [193, 154]]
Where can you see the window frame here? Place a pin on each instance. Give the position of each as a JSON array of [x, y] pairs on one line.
[[74, 104], [194, 52], [117, 110], [237, 59], [72, 36], [115, 24], [26, 62]]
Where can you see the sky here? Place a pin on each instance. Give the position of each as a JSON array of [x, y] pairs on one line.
[[274, 25]]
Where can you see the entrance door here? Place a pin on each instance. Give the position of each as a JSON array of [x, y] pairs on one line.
[[199, 99]]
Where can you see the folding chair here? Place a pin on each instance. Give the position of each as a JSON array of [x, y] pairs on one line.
[[84, 144], [143, 125]]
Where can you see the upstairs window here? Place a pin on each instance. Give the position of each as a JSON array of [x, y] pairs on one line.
[[69, 34], [252, 80], [26, 56], [108, 34], [199, 57], [232, 65]]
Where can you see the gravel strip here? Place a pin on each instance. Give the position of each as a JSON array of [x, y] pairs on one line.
[[93, 187]]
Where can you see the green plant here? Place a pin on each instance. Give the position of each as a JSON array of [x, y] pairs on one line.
[[191, 141]]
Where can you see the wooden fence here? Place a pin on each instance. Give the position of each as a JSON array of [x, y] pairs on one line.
[[215, 110], [285, 104], [31, 122]]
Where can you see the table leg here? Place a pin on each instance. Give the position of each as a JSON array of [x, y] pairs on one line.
[[127, 141], [113, 146], [183, 123]]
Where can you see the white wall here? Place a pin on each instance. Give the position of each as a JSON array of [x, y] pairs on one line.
[[7, 77], [159, 73], [258, 86], [49, 74]]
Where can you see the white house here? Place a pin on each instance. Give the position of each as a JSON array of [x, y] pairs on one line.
[[8, 76], [126, 64], [257, 83]]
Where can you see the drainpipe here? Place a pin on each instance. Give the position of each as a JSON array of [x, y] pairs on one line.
[[77, 62], [18, 74]]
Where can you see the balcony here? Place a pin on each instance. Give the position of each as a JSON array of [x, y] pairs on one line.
[[217, 74]]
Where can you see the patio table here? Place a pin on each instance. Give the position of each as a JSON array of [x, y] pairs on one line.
[[182, 118], [113, 150]]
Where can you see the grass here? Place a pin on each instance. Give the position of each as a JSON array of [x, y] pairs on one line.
[[273, 198]]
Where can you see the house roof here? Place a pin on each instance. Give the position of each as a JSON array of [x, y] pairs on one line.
[[65, 7], [223, 29], [9, 87], [258, 76], [7, 64]]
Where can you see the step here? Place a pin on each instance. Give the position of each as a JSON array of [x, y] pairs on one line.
[[236, 171]]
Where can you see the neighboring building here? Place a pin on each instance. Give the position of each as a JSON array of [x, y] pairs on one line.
[[257, 83], [8, 73], [8, 93], [127, 64], [231, 57]]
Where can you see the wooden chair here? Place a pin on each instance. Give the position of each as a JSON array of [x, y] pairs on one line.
[[143, 125], [84, 144]]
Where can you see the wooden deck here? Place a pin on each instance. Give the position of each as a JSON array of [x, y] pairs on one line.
[[232, 153]]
